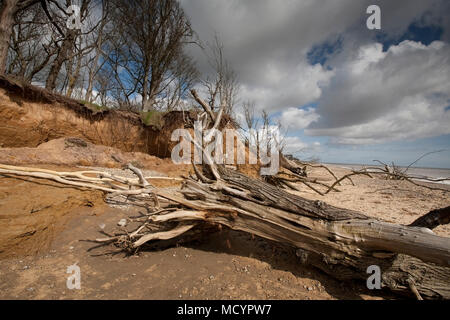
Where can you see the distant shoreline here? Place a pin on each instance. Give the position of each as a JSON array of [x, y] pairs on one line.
[[378, 165], [433, 173]]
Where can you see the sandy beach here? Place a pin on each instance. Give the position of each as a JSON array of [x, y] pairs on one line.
[[42, 224]]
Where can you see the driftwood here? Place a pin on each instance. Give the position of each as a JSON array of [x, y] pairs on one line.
[[341, 242], [292, 166], [298, 174], [396, 173], [433, 219], [296, 169]]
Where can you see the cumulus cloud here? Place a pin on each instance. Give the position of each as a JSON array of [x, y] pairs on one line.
[[364, 95], [294, 145], [267, 42], [293, 87], [378, 96], [298, 119]]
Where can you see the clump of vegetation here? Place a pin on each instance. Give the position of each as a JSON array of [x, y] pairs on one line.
[[152, 118], [93, 106]]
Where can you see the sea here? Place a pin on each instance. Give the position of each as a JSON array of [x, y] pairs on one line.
[[433, 173]]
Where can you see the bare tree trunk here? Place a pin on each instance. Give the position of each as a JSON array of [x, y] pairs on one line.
[[7, 11], [341, 242], [93, 71], [74, 76], [145, 93], [94, 67], [90, 87], [61, 57]]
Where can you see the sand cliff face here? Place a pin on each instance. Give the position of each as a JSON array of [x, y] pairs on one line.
[[30, 116], [26, 123]]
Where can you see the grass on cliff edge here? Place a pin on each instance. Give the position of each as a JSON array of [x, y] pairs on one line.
[[93, 106], [150, 118]]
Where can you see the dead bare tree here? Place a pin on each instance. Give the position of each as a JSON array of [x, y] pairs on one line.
[[8, 11], [396, 173], [249, 115], [99, 37], [141, 58], [69, 44], [41, 41], [103, 84], [30, 50], [342, 243], [390, 174], [147, 50], [250, 134], [295, 172], [222, 87]]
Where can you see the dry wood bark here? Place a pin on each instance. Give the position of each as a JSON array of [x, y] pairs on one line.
[[433, 219], [341, 242], [292, 166]]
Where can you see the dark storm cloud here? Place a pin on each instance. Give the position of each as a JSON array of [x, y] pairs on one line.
[[270, 45]]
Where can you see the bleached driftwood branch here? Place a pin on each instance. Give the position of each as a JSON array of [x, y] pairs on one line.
[[341, 242]]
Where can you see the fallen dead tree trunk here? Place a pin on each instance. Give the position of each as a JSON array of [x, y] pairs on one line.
[[342, 243], [433, 219]]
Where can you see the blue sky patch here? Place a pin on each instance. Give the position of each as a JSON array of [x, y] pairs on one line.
[[415, 32], [320, 53]]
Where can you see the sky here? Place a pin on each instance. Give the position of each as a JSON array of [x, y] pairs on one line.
[[343, 93]]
